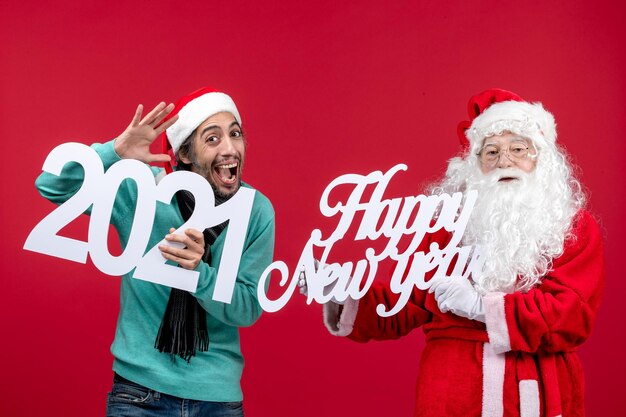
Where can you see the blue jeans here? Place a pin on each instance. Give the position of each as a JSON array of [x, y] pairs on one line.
[[128, 399]]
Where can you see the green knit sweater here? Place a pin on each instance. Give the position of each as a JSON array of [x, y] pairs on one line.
[[210, 376]]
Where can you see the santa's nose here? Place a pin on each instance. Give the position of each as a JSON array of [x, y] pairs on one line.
[[504, 161]]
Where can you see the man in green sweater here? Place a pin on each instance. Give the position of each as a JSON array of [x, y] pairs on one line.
[[178, 353]]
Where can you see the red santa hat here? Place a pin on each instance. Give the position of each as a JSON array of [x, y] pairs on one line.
[[495, 111], [192, 110]]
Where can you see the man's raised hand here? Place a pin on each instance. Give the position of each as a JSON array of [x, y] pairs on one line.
[[135, 141]]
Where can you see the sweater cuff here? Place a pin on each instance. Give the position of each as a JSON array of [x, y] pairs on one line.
[[107, 153], [495, 319], [339, 320]]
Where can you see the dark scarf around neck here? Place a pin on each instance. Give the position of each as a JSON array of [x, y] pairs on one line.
[[183, 329]]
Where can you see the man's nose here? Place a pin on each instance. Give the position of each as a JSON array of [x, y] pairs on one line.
[[228, 146]]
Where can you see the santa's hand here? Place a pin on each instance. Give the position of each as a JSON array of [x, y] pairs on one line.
[[304, 289], [458, 296]]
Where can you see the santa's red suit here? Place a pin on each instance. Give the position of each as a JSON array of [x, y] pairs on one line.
[[522, 362]]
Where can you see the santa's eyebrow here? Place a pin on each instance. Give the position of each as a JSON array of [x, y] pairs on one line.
[[519, 139], [513, 140]]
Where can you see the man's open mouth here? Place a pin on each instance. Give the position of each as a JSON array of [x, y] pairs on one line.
[[227, 173]]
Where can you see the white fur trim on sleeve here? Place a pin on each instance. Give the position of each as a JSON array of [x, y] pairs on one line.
[[529, 398], [495, 320], [493, 382], [339, 320]]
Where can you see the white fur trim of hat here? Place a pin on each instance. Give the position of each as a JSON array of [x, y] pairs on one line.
[[529, 120], [195, 112]]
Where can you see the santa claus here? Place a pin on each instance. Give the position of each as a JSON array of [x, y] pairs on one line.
[[502, 343]]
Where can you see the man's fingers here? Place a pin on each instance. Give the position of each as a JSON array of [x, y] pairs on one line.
[[183, 256], [155, 116], [163, 113], [196, 239], [163, 126], [185, 263], [175, 237], [158, 157], [137, 116], [179, 253], [150, 117], [192, 239], [158, 117], [194, 234]]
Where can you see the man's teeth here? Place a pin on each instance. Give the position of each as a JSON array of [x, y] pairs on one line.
[[233, 165]]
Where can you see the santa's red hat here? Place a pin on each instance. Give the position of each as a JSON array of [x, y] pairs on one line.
[[495, 111], [192, 110]]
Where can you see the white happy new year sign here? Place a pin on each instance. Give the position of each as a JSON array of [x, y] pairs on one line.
[[412, 216], [414, 219]]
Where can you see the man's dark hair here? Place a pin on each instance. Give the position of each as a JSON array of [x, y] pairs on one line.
[[186, 149]]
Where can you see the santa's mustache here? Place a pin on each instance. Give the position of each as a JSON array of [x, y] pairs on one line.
[[509, 174], [501, 176]]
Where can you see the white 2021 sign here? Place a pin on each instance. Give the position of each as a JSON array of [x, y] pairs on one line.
[[98, 191]]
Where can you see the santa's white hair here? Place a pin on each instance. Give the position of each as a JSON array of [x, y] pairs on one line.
[[520, 226]]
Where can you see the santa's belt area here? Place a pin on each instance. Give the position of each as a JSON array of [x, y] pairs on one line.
[[537, 380], [536, 376]]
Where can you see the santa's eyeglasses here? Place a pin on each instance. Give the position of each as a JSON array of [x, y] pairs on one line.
[[518, 151]]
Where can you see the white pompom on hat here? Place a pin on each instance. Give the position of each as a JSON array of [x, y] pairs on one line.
[[192, 110], [496, 111]]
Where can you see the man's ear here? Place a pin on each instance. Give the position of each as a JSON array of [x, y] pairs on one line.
[[183, 157]]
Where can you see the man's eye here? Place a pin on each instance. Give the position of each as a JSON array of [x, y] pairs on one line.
[[235, 134], [491, 152], [211, 138], [516, 150]]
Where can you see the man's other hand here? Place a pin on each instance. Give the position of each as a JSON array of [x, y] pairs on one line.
[[188, 256]]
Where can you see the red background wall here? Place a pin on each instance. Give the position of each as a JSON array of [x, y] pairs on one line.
[[324, 88]]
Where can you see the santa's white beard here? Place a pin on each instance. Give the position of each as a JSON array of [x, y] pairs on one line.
[[520, 225]]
